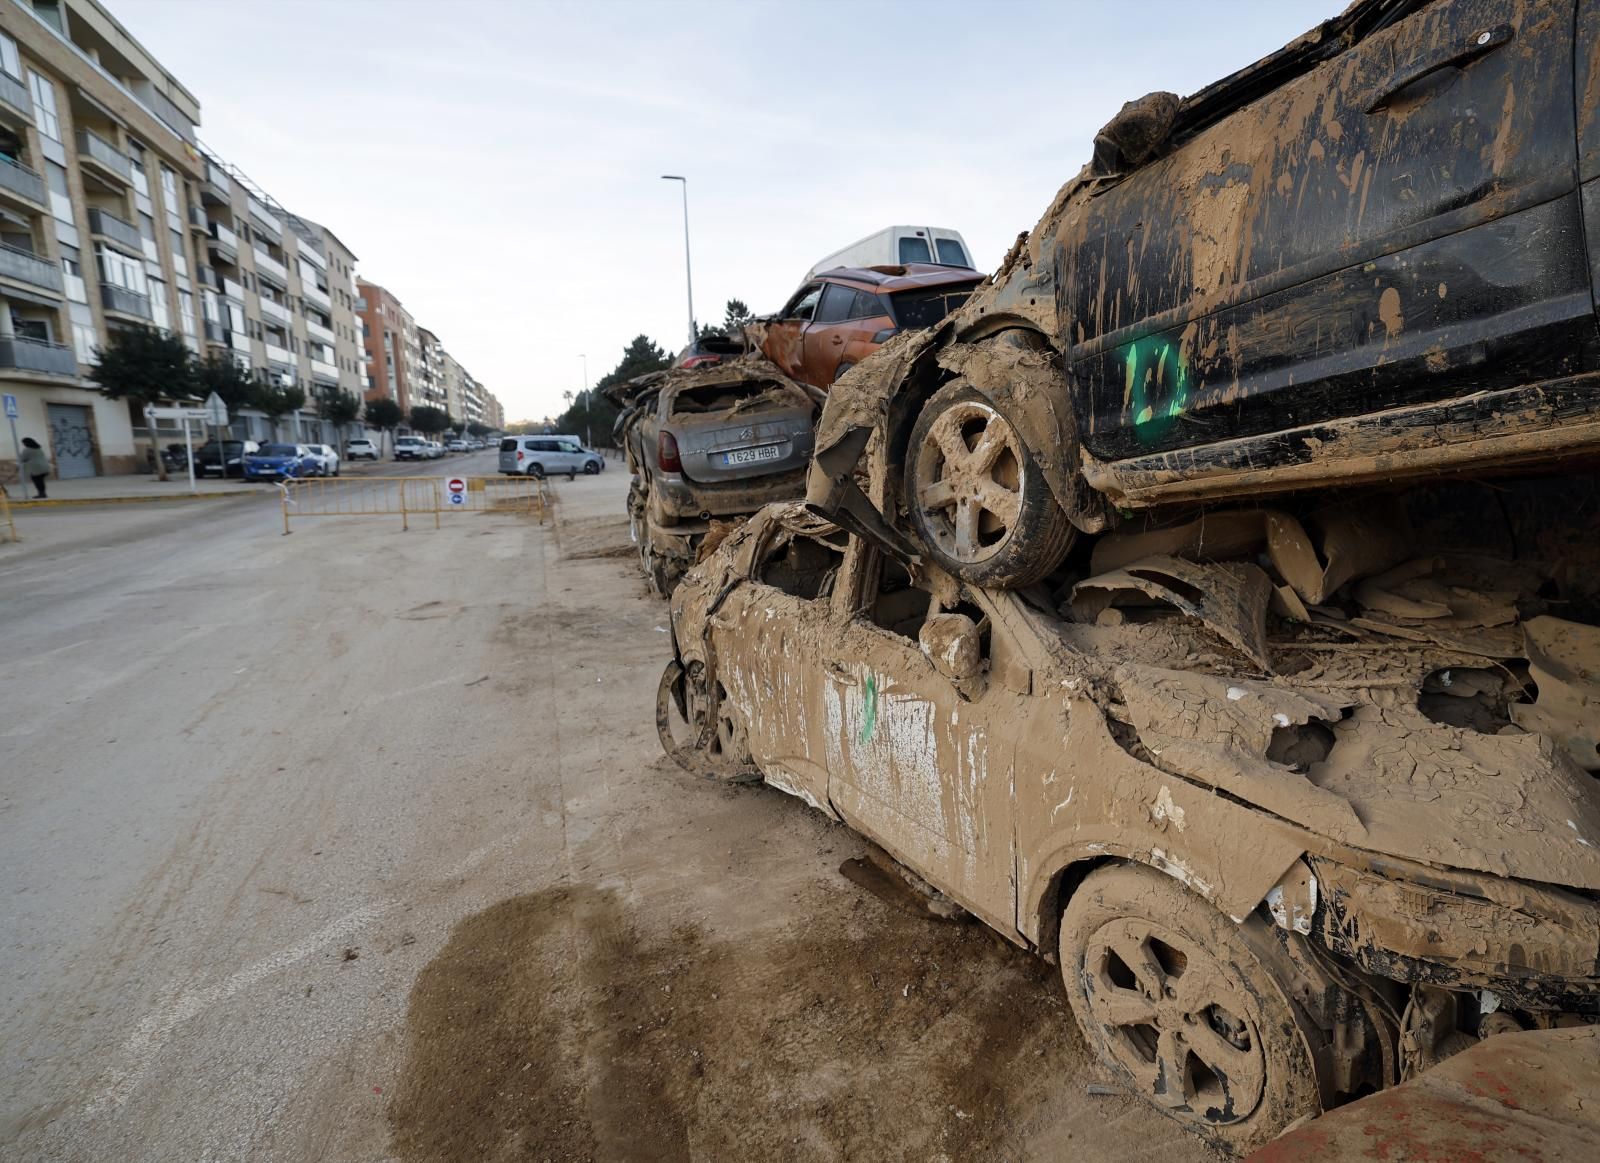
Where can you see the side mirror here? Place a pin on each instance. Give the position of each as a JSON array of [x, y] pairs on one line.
[[952, 644]]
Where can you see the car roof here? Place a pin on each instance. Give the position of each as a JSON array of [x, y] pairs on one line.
[[900, 277]]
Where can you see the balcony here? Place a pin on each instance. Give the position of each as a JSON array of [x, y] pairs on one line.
[[125, 302], [312, 293], [310, 253], [197, 220], [26, 267], [18, 180], [216, 332], [15, 96], [275, 310], [271, 267], [224, 243], [217, 189], [265, 218], [103, 157], [280, 355], [240, 342], [36, 355], [233, 290], [325, 370], [320, 333], [107, 225]]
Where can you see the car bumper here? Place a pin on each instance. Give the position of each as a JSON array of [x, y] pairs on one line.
[[676, 499]]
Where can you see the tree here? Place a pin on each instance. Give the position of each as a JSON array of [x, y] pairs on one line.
[[735, 316], [590, 412], [474, 428], [428, 420], [384, 415], [276, 402], [340, 407], [220, 374], [142, 365]]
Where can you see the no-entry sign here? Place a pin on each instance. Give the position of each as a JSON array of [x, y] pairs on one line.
[[458, 490]]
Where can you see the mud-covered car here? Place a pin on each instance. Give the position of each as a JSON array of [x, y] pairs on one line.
[[840, 317], [1302, 799], [1371, 254], [707, 446]]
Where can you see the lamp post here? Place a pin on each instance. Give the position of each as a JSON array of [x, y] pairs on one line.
[[688, 275], [588, 428]]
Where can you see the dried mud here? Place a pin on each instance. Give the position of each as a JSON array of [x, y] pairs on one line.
[[564, 1025]]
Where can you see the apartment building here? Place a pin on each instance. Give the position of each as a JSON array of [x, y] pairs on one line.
[[430, 371], [278, 297], [391, 347], [98, 222]]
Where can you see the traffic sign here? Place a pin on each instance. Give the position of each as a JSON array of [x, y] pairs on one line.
[[176, 414], [457, 485], [216, 412], [11, 407]]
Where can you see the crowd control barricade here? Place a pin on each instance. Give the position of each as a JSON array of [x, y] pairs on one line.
[[408, 497]]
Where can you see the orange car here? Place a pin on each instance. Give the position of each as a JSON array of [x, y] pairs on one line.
[[838, 318]]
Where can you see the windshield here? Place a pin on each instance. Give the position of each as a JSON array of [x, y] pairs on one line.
[[277, 450]]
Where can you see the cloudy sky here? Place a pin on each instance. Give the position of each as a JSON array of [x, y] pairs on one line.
[[497, 164]]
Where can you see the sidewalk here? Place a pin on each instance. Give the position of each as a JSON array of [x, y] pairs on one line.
[[130, 488]]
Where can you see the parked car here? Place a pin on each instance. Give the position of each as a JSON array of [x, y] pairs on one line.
[[327, 459], [1277, 870], [708, 445], [900, 246], [276, 462], [837, 319], [710, 349], [410, 448], [361, 449], [208, 461], [459, 446], [1215, 307], [435, 450], [539, 456]]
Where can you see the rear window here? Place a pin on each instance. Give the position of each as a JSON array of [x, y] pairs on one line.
[[509, 444], [915, 250], [277, 450], [724, 397], [950, 252], [924, 308]]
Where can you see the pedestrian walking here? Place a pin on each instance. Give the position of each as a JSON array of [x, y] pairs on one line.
[[35, 464]]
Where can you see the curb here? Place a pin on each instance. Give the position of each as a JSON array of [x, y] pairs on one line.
[[66, 502]]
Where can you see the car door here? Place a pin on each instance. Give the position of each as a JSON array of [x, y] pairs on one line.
[[784, 341], [919, 766], [1396, 224], [825, 335], [769, 635]]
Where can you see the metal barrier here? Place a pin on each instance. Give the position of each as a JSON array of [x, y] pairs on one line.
[[7, 524], [409, 496]]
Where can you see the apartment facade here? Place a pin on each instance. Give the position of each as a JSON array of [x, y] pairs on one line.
[[98, 227], [392, 349]]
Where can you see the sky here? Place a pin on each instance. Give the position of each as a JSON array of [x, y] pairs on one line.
[[496, 164]]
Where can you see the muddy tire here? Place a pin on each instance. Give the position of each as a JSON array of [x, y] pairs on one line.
[[699, 729], [1187, 1007], [978, 501]]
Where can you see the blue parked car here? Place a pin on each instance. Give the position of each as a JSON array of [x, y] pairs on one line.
[[276, 462]]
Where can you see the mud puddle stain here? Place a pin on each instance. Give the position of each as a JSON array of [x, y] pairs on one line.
[[560, 1025]]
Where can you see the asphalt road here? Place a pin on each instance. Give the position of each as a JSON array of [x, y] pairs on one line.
[[357, 844]]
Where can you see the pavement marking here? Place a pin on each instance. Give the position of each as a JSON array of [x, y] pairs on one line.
[[152, 1034]]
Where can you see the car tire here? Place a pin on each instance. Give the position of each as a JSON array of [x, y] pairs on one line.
[[591, 468], [985, 514], [536, 470], [1188, 1008]]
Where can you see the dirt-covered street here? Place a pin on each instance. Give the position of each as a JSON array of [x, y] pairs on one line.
[[358, 844]]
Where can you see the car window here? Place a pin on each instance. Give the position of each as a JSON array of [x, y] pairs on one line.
[[923, 308], [509, 444], [570, 448], [277, 450], [950, 252], [900, 605], [804, 304], [915, 250], [835, 305], [867, 306], [804, 567]]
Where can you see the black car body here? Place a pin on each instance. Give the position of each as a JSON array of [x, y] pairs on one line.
[[207, 462], [1372, 254]]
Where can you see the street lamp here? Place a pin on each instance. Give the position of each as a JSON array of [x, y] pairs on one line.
[[688, 276]]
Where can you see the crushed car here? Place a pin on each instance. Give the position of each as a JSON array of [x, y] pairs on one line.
[[707, 445], [1301, 800], [1368, 256]]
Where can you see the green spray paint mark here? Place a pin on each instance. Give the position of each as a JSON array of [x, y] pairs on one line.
[[869, 710], [1155, 387]]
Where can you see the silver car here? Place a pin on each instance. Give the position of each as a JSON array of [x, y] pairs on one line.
[[541, 456]]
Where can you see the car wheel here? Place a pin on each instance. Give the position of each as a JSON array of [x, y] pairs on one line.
[[976, 496], [591, 468], [536, 470], [1192, 1010], [698, 731]]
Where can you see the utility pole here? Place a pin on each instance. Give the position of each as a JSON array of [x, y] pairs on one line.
[[688, 272]]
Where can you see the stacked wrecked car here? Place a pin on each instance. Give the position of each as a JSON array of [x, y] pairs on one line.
[[1211, 603]]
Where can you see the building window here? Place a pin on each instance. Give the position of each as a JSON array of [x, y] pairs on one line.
[[8, 57], [120, 270], [159, 313], [60, 197], [186, 312], [180, 261], [44, 105], [84, 338]]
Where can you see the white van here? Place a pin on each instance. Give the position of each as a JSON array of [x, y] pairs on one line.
[[542, 455], [898, 245]]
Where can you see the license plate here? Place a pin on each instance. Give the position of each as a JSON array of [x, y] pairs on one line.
[[751, 455]]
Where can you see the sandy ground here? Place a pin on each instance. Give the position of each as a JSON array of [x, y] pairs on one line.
[[357, 844]]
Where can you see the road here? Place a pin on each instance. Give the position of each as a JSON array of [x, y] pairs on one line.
[[357, 844]]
